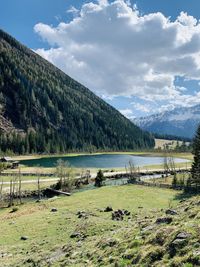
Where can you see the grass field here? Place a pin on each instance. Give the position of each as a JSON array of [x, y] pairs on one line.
[[171, 144], [48, 233], [169, 179]]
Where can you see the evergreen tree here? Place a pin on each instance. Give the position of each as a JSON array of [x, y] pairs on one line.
[[195, 179], [99, 179]]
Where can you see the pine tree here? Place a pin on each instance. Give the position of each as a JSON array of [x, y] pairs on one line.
[[196, 163], [99, 179]]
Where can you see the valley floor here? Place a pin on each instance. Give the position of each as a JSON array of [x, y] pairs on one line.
[[80, 233], [29, 181]]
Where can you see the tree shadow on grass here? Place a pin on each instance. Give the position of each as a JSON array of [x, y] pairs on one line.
[[185, 195]]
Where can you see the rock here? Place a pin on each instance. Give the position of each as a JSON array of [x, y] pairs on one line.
[[126, 212], [183, 235], [108, 209], [148, 228], [54, 210], [78, 235], [117, 215], [24, 237], [179, 242], [82, 214], [171, 212], [167, 220], [75, 234]]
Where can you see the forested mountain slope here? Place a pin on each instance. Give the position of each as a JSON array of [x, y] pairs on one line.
[[44, 110]]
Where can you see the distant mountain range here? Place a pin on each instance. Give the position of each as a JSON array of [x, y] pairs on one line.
[[181, 122], [44, 110]]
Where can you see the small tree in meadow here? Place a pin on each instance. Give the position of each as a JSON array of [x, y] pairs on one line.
[[65, 173], [99, 179]]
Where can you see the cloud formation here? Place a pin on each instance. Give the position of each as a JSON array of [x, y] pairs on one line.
[[127, 113], [113, 50]]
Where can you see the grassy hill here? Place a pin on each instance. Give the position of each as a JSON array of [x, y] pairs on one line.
[[44, 110], [66, 238]]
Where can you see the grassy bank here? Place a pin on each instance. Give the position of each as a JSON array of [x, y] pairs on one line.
[[49, 233]]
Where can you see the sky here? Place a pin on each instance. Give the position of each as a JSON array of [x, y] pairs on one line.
[[142, 57]]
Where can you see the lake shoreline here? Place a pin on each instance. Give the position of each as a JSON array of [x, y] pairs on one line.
[[185, 155], [103, 161]]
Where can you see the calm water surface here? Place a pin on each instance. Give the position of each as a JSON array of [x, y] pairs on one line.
[[100, 161]]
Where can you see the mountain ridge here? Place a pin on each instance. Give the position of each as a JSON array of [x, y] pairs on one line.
[[180, 121]]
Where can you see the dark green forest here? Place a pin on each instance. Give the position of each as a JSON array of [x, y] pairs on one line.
[[42, 110]]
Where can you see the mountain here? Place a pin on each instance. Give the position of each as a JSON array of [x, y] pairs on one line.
[[44, 110], [181, 122]]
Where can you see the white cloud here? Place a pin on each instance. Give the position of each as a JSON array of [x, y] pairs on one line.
[[127, 113], [141, 107], [113, 50], [73, 11], [187, 20]]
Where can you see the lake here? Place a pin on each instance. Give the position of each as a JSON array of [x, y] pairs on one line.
[[100, 161]]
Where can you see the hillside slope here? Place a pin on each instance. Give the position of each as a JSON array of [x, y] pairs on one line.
[[81, 234], [181, 122], [47, 111]]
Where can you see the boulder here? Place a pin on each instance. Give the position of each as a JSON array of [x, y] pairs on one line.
[[80, 236], [118, 215], [171, 212], [54, 210], [166, 220], [179, 242], [75, 234], [183, 235], [108, 209], [148, 228], [126, 212]]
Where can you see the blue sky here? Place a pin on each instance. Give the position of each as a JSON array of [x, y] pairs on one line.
[[137, 87]]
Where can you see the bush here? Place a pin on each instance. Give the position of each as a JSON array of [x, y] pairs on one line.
[[14, 209]]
